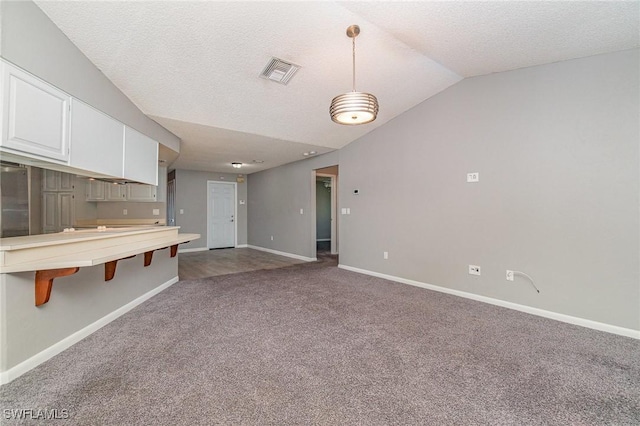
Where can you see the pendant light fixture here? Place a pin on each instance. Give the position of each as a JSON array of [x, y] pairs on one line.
[[354, 108]]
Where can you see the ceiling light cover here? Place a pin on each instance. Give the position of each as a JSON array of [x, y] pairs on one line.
[[236, 165], [354, 108]]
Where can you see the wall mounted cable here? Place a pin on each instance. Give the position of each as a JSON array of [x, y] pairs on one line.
[[527, 276]]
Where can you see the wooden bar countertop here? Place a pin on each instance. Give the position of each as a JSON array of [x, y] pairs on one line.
[[87, 247]]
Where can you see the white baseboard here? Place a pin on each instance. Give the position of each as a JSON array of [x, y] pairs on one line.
[[614, 329], [323, 239], [31, 363], [282, 253], [190, 250]]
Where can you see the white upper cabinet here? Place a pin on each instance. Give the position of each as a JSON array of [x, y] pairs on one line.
[[96, 141], [57, 181], [140, 157], [35, 117], [41, 122], [138, 192], [95, 190], [115, 192], [161, 191]]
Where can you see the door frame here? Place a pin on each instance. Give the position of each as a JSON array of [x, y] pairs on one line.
[[171, 202], [235, 210], [334, 210]]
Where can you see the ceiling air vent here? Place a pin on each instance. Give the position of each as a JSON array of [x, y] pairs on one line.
[[279, 71]]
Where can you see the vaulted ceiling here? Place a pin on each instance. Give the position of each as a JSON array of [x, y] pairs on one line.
[[193, 66]]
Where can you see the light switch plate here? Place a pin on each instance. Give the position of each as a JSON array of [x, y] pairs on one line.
[[473, 177], [474, 270]]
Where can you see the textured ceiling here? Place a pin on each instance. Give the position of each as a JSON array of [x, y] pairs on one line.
[[193, 66]]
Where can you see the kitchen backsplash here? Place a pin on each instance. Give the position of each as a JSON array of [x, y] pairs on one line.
[[134, 210], [85, 213]]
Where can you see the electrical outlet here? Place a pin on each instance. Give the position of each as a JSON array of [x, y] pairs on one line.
[[474, 270], [385, 254], [509, 275], [156, 212], [124, 212], [473, 177]]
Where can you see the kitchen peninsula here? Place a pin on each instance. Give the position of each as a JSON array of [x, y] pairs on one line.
[[56, 289]]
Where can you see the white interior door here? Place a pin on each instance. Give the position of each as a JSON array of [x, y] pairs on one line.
[[221, 214]]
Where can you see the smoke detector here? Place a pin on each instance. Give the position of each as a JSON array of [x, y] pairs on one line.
[[279, 71]]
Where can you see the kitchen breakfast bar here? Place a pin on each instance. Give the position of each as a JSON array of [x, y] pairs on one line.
[[55, 289]]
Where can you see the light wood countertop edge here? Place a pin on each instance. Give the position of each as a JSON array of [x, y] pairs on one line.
[[99, 256], [60, 238]]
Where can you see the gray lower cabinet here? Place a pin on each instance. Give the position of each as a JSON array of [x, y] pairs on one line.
[[57, 211]]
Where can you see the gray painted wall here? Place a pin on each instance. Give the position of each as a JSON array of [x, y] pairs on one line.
[[323, 212], [31, 40], [76, 302], [275, 199], [557, 150], [191, 196]]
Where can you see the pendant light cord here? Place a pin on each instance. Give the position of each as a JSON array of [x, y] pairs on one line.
[[353, 46]]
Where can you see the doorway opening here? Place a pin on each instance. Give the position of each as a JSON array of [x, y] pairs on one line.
[[171, 198], [326, 202], [222, 229]]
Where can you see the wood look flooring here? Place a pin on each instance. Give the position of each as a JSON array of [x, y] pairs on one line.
[[210, 263]]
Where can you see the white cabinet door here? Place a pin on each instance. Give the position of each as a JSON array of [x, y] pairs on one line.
[[137, 192], [57, 181], [35, 117], [140, 157], [49, 212], [115, 192], [95, 190], [66, 209], [50, 180], [66, 181], [96, 141], [58, 211], [161, 190]]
